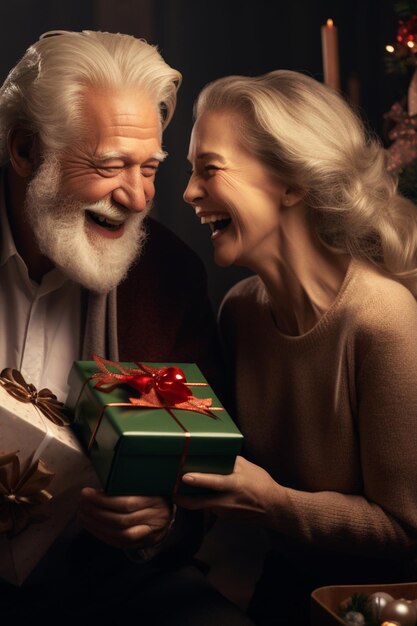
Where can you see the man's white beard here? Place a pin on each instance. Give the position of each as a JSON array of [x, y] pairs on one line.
[[98, 263]]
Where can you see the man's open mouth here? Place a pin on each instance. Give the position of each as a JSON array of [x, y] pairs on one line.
[[104, 222]]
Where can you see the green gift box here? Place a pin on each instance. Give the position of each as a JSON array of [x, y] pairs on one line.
[[139, 450]]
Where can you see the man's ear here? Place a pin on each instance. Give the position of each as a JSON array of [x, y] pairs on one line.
[[23, 150]]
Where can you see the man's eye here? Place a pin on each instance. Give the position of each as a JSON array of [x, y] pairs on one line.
[[149, 170], [110, 170]]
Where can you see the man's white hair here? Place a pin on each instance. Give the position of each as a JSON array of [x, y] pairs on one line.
[[44, 91]]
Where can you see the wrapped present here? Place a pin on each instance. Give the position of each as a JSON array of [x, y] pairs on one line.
[[42, 470], [146, 424]]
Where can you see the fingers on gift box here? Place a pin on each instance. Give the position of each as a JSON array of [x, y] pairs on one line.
[[42, 470], [146, 424]]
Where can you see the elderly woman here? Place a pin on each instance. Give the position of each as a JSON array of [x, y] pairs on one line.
[[322, 340]]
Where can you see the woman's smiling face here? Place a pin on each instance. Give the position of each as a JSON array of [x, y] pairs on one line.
[[233, 191]]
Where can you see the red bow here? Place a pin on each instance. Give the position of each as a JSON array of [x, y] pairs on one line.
[[160, 387]]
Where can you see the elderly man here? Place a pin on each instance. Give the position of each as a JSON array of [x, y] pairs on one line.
[[83, 269]]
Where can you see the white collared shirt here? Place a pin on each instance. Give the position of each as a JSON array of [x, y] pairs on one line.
[[39, 323]]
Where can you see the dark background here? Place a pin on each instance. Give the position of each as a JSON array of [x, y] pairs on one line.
[[208, 39]]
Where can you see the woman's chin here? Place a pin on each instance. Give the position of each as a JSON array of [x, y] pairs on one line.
[[223, 260]]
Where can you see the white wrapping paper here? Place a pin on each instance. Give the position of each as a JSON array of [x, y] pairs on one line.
[[25, 429]]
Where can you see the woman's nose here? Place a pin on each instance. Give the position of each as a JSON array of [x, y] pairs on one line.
[[194, 192]]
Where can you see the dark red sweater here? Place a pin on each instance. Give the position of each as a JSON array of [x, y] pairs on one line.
[[163, 308]]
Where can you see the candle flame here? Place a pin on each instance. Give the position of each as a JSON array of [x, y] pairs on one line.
[[329, 22], [410, 44], [389, 48]]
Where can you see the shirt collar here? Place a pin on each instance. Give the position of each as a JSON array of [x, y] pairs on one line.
[[53, 279]]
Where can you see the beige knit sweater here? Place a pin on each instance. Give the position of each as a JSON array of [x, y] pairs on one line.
[[332, 414]]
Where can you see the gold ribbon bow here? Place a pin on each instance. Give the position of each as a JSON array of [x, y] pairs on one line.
[[21, 492], [14, 383]]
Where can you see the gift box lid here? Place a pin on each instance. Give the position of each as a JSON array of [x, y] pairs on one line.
[[143, 430]]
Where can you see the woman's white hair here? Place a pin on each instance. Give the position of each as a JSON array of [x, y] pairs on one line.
[[309, 136], [45, 90]]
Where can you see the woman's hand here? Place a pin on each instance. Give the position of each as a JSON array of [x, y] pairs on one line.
[[127, 522], [249, 493]]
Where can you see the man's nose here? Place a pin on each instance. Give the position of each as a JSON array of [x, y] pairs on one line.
[[133, 193]]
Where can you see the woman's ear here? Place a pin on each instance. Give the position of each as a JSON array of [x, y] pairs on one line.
[[23, 150], [292, 196]]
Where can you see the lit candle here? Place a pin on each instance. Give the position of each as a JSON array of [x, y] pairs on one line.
[[330, 51]]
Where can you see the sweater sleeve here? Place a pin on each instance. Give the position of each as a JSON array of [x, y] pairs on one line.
[[383, 518]]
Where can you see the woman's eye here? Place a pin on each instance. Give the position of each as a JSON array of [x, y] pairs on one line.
[[207, 170], [211, 169]]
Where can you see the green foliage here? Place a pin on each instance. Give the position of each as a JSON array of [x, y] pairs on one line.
[[398, 63], [407, 184], [403, 61], [405, 8], [358, 602]]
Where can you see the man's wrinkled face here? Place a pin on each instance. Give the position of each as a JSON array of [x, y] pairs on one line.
[[86, 204]]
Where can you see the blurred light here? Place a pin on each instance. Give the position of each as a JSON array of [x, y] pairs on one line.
[[389, 48]]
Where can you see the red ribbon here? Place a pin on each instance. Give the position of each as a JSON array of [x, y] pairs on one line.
[[160, 387]]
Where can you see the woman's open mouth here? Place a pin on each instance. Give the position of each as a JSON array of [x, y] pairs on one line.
[[217, 222]]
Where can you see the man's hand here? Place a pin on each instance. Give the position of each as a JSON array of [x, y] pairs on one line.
[[249, 493], [127, 522]]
